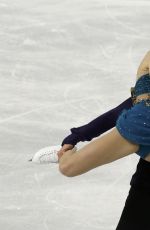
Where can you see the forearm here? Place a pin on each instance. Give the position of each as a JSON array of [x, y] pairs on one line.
[[97, 126]]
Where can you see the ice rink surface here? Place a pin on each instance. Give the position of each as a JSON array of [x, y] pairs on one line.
[[62, 64]]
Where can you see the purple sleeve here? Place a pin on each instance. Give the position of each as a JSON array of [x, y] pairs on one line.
[[97, 126]]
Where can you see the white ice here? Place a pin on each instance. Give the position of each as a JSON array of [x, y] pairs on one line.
[[62, 64]]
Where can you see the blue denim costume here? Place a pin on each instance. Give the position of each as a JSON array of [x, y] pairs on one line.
[[134, 123]]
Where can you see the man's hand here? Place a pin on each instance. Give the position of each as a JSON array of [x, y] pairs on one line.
[[64, 148]]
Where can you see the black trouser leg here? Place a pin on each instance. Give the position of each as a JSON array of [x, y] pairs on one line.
[[136, 212]]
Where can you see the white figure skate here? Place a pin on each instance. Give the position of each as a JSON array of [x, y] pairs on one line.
[[48, 155]]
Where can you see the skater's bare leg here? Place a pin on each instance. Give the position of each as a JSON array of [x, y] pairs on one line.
[[103, 150]]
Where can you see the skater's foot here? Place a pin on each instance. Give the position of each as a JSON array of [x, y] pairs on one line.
[[47, 155]]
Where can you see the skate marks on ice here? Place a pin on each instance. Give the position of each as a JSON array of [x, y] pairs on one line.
[[56, 59]]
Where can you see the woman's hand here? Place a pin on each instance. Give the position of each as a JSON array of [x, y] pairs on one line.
[[64, 148]]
